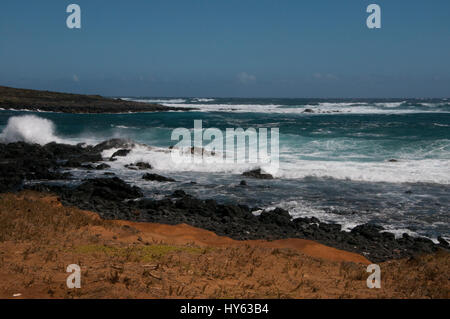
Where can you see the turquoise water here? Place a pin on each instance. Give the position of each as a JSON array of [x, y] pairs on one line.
[[335, 160]]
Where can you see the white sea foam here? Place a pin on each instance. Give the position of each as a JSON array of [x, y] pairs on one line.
[[390, 104], [433, 104], [353, 107], [299, 208], [441, 125], [229, 107], [319, 109], [403, 171], [202, 100], [411, 167], [28, 111], [161, 159], [407, 171], [123, 126], [29, 128]]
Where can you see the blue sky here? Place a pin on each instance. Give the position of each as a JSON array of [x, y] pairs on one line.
[[226, 48]]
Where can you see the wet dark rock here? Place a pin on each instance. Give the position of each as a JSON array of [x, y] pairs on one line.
[[392, 161], [157, 178], [139, 166], [277, 216], [143, 165], [113, 143], [108, 198], [102, 166], [257, 173], [9, 183], [104, 194], [306, 220], [121, 153], [243, 183], [443, 242], [388, 236], [368, 230], [21, 161], [89, 158], [330, 228], [112, 198], [88, 166], [178, 193], [308, 111], [108, 188], [72, 163], [188, 203]]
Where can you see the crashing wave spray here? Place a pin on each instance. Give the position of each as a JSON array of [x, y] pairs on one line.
[[30, 129]]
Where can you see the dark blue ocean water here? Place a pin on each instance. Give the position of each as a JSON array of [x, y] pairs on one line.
[[335, 155]]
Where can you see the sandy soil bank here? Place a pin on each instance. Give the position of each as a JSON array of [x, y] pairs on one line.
[[39, 238]]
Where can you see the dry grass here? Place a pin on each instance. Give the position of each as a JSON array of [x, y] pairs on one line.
[[39, 238]]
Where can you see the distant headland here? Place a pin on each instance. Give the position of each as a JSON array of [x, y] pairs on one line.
[[46, 101]]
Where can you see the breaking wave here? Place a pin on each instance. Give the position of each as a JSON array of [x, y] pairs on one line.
[[30, 129]]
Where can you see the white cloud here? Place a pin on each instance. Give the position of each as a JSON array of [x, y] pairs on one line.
[[246, 78]]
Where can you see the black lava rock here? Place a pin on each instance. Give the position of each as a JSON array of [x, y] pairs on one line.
[[368, 230], [122, 153], [443, 242], [178, 193], [277, 216], [112, 198], [139, 166], [108, 188], [157, 178], [257, 173], [143, 166], [113, 143], [102, 166]]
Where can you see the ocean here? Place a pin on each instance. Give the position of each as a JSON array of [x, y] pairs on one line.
[[348, 161]]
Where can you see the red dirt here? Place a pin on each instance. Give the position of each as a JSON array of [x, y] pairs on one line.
[[39, 238], [182, 234]]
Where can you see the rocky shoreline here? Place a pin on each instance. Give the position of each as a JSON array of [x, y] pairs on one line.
[[112, 198], [45, 101]]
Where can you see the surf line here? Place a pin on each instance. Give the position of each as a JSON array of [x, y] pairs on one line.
[[235, 146]]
